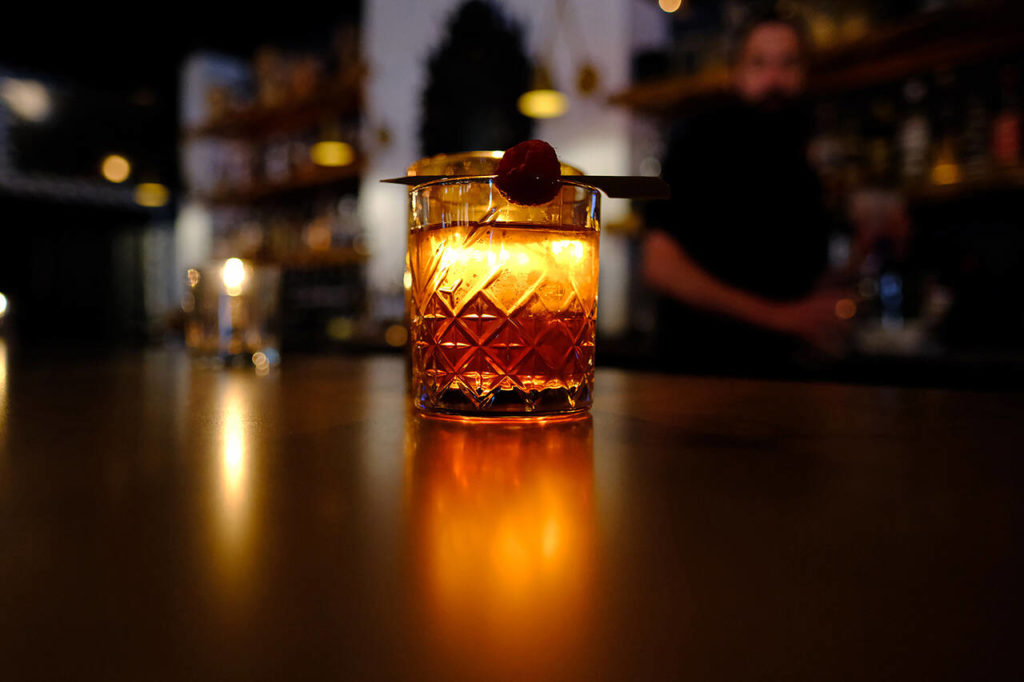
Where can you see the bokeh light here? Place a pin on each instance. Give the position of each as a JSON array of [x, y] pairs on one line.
[[332, 153], [261, 362], [27, 99], [152, 195], [233, 276], [396, 335], [543, 104], [846, 308], [115, 168]]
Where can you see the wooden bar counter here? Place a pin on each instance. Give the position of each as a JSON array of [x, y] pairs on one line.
[[163, 520]]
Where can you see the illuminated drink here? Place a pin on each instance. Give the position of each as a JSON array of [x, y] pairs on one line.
[[502, 298]]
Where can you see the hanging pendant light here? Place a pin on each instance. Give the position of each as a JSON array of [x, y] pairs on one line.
[[543, 100], [331, 151]]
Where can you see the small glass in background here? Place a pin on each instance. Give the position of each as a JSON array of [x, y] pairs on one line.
[[232, 311]]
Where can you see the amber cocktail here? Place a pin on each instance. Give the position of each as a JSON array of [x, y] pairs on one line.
[[503, 299]]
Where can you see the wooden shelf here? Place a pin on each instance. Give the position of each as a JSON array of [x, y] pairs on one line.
[[924, 43], [261, 122], [667, 94], [324, 177]]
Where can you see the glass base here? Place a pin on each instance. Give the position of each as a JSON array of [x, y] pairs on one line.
[[509, 419], [503, 404]]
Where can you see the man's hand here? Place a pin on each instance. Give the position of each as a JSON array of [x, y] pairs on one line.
[[814, 319], [669, 269]]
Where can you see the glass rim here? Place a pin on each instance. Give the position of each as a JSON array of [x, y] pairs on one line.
[[453, 179], [422, 166]]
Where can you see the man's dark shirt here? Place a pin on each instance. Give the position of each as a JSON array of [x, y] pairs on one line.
[[747, 206]]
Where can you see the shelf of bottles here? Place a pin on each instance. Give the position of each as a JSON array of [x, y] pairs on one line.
[[950, 133], [293, 124], [923, 169], [275, 161]]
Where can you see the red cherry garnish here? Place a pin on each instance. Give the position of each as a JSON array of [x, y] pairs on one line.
[[528, 173]]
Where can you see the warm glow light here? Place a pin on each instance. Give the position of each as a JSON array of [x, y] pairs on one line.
[[332, 153], [543, 104], [27, 99], [846, 308], [3, 375], [946, 173], [193, 277], [946, 170], [318, 235], [3, 305], [3, 391], [407, 280], [571, 248], [396, 335], [151, 194], [233, 457], [115, 168], [670, 5], [233, 509], [479, 275], [565, 252], [261, 362], [233, 276], [504, 518]]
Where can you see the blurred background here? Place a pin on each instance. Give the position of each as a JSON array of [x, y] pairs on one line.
[[148, 167]]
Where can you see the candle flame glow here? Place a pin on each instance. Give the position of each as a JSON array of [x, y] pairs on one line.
[[233, 275]]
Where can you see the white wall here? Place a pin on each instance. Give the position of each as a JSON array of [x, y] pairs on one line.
[[400, 35]]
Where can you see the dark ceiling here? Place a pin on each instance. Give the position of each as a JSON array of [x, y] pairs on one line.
[[116, 71], [141, 47]]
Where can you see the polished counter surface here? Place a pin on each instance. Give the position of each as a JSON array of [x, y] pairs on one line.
[[164, 520]]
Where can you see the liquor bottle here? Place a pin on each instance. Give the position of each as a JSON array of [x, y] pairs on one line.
[[881, 285], [947, 168], [878, 134], [915, 134], [277, 160], [1006, 126], [977, 161]]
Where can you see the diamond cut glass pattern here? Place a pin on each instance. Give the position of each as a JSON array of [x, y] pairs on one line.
[[503, 312]]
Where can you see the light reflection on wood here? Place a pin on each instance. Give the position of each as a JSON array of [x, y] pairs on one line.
[[3, 418], [233, 507], [3, 389], [503, 519]]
